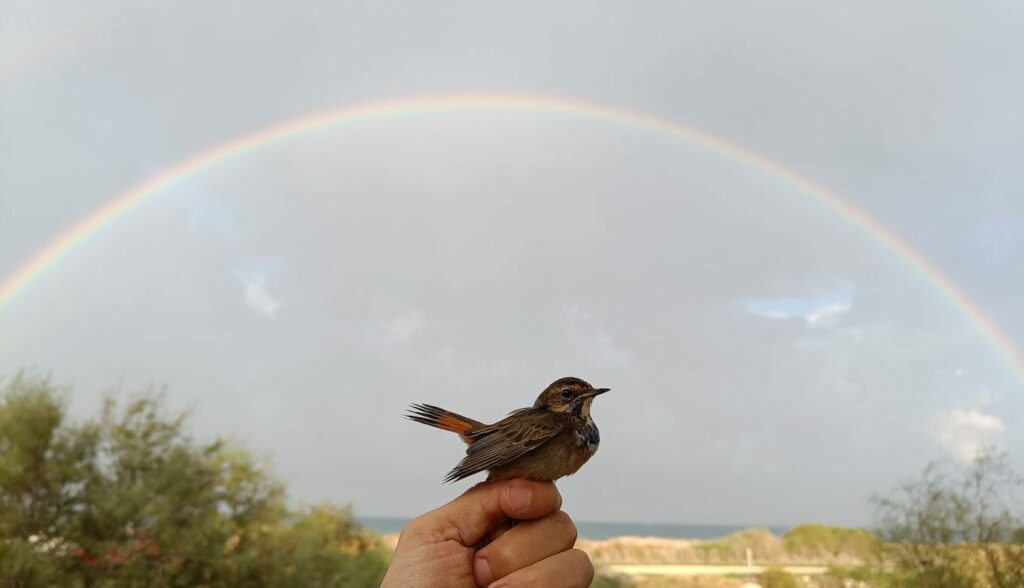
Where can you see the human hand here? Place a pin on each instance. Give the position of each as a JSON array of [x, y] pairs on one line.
[[471, 541]]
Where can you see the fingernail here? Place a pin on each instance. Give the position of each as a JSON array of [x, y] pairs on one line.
[[482, 572], [519, 498]]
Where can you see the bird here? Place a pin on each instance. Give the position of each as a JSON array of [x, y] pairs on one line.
[[547, 441]]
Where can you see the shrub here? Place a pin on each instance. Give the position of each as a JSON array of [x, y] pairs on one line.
[[128, 499]]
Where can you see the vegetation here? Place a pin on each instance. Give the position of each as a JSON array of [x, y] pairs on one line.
[[875, 576], [957, 531], [774, 577], [128, 499], [762, 543], [805, 544], [603, 579], [815, 543], [614, 581]]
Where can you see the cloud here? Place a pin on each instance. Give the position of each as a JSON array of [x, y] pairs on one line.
[[388, 335], [964, 432], [254, 290], [817, 312], [594, 341], [827, 315], [956, 373], [400, 329], [756, 309]]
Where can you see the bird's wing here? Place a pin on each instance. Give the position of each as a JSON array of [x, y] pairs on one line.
[[520, 432]]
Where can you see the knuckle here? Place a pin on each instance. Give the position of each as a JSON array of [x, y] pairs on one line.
[[566, 528], [422, 531], [583, 567]]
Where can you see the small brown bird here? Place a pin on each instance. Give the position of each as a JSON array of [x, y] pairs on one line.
[[552, 439]]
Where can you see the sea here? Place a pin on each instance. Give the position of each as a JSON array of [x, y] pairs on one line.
[[597, 530]]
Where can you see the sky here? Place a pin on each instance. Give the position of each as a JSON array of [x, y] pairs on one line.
[[771, 361]]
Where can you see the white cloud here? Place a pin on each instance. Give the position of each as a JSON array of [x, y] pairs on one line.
[[254, 290], [400, 329], [959, 373], [768, 313], [826, 316], [594, 341], [964, 432], [389, 335], [817, 313]]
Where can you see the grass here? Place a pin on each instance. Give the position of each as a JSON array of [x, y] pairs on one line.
[[833, 544]]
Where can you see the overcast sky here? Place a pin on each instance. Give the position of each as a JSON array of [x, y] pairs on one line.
[[770, 362]]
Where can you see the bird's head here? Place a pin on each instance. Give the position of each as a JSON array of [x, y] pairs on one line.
[[568, 395]]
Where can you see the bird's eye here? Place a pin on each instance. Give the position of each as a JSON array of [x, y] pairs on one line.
[[567, 393]]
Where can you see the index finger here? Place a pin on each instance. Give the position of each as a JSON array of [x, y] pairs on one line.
[[470, 517]]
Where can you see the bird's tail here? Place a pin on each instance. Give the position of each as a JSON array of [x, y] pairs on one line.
[[444, 419]]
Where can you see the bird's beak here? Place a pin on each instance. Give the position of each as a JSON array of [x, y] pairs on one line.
[[600, 391]]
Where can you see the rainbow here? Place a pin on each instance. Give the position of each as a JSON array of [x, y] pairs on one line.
[[65, 243]]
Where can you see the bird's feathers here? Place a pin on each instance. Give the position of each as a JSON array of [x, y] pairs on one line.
[[444, 419], [517, 434]]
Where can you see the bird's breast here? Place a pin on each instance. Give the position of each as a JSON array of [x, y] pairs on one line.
[[587, 435]]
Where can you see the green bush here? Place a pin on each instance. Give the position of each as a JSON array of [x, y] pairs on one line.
[[127, 499]]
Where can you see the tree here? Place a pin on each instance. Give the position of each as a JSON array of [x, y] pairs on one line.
[[957, 531], [128, 499]]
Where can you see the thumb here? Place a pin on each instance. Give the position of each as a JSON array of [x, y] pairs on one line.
[[470, 517]]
